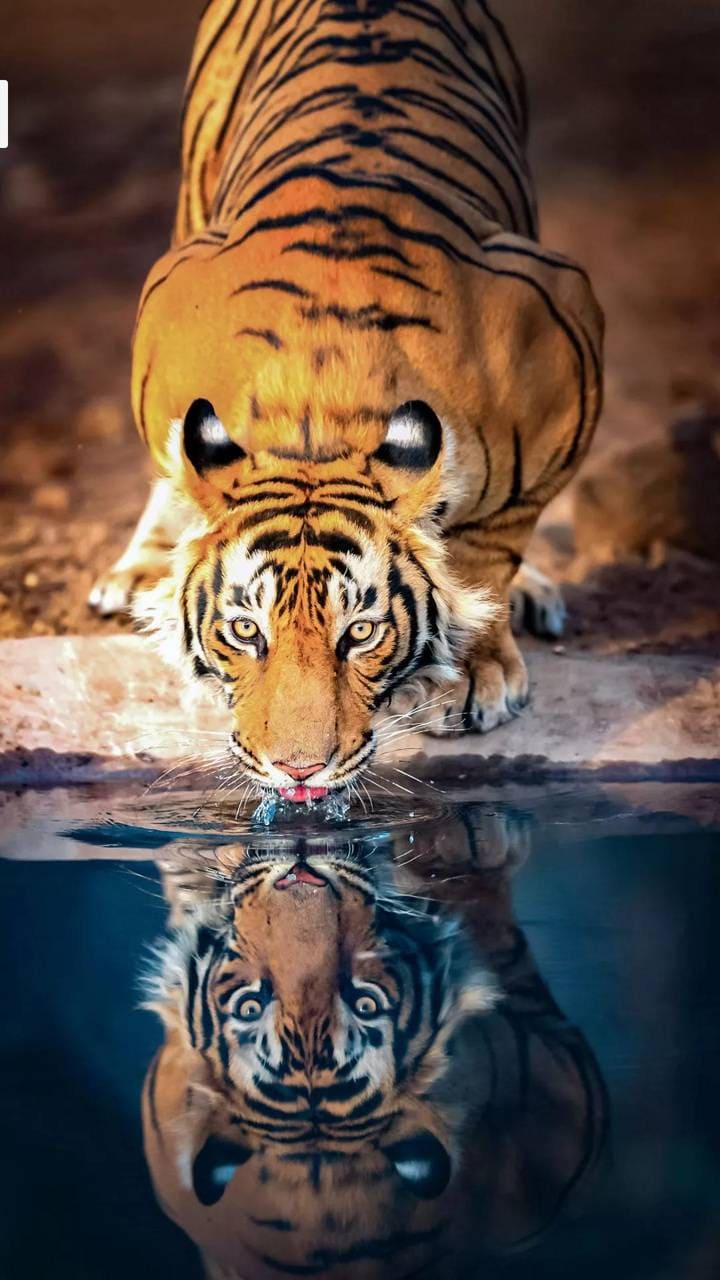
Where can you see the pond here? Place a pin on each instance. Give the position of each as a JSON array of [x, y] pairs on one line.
[[455, 1033]]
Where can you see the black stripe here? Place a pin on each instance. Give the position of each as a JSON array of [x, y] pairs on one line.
[[340, 1091], [206, 1018], [268, 335], [338, 542], [400, 590], [192, 973], [201, 606], [405, 278], [276, 1091], [516, 479], [141, 407], [341, 253], [441, 106], [345, 495], [520, 86], [373, 316], [298, 109], [306, 511], [152, 1096], [248, 65], [269, 495], [211, 45], [488, 462], [185, 613], [473, 198], [376, 1248], [524, 251], [280, 286], [275, 540], [193, 145], [462, 46], [395, 182], [459, 153]]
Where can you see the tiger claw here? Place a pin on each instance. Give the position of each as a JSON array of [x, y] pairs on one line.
[[494, 691]]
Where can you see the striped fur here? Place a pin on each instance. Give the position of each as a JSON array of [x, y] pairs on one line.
[[316, 1091], [312, 1105], [355, 231]]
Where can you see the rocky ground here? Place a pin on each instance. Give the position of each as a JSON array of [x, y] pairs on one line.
[[625, 97]]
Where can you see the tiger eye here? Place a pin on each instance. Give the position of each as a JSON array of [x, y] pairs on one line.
[[245, 628], [249, 1009], [360, 631], [366, 1006]]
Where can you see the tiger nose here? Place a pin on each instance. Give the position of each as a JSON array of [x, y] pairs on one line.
[[300, 772]]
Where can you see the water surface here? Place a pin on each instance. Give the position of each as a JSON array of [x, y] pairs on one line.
[[580, 1113]]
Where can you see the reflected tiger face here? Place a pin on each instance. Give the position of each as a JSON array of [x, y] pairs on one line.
[[320, 1011], [312, 592], [340, 1083]]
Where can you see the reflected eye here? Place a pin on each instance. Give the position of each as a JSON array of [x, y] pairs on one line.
[[244, 629], [359, 632], [249, 1009], [365, 1005]]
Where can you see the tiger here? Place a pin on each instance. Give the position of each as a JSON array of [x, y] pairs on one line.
[[359, 377], [357, 1081]]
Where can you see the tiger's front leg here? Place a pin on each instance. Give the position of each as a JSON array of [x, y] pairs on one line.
[[146, 557], [494, 687]]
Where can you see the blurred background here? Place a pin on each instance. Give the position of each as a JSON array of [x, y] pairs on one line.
[[625, 100]]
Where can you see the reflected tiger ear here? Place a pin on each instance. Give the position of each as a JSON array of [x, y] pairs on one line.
[[423, 1164], [206, 443], [405, 462], [215, 1166]]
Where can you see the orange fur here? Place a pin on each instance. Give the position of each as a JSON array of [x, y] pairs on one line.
[[315, 1185], [354, 233]]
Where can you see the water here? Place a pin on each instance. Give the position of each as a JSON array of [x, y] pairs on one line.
[[577, 1114]]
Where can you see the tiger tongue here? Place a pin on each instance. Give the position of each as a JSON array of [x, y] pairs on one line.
[[301, 873], [300, 793]]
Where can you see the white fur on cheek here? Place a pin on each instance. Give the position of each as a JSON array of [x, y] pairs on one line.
[[239, 570], [367, 571]]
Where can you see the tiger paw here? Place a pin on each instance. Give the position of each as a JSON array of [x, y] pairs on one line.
[[536, 604], [113, 592], [493, 690]]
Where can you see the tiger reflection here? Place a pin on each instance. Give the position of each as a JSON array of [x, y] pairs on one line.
[[350, 1066]]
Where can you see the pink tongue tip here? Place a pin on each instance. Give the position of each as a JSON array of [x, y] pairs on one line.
[[300, 793], [301, 873]]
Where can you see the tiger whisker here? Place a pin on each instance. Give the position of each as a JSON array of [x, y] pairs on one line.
[[378, 782], [406, 730], [184, 768], [423, 782], [367, 793], [392, 783], [405, 861], [354, 790], [420, 706]]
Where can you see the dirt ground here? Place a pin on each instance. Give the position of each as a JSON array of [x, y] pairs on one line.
[[625, 100]]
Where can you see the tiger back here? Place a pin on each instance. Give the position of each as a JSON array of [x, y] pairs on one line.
[[358, 373]]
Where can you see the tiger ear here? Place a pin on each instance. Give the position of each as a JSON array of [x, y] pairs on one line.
[[423, 1164], [407, 461], [215, 1166], [206, 443]]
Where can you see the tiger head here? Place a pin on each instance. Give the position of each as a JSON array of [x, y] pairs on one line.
[[307, 1016], [311, 583]]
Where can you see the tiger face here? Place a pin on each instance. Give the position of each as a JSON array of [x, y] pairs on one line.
[[310, 1013], [311, 589]]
